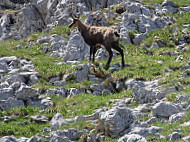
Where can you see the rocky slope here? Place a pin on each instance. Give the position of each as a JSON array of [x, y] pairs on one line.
[[47, 84]]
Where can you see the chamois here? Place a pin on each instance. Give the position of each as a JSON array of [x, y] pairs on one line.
[[95, 36]]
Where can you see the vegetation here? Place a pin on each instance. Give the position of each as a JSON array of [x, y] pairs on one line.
[[143, 64]]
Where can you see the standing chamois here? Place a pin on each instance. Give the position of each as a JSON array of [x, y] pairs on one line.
[[96, 36]]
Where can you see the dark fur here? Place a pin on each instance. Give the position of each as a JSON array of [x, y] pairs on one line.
[[96, 36]]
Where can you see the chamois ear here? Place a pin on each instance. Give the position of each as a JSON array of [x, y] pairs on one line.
[[74, 22], [74, 16]]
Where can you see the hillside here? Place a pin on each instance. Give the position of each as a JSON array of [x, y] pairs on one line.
[[50, 91]]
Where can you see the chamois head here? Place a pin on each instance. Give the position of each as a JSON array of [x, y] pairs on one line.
[[74, 23]]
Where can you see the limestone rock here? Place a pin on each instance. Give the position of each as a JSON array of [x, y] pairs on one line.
[[39, 119], [176, 117], [35, 139], [76, 49], [5, 93], [25, 92], [132, 138], [11, 103], [174, 136], [72, 134], [166, 109], [82, 72], [115, 120]]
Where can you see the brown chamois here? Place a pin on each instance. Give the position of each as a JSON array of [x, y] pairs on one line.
[[96, 36]]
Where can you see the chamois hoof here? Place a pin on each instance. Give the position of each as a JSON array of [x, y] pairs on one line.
[[106, 67], [125, 65]]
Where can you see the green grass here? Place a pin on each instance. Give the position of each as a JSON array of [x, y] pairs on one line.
[[46, 66], [141, 65], [20, 124], [84, 104], [80, 125], [20, 130], [169, 128], [61, 30], [82, 84]]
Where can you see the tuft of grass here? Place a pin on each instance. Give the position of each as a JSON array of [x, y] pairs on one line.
[[35, 36], [61, 30], [82, 84], [22, 111], [6, 12], [80, 125]]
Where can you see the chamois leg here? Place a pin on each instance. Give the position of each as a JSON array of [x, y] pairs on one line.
[[94, 52], [117, 48], [91, 51], [110, 57]]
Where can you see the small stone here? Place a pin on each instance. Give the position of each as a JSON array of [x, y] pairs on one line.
[[35, 139], [176, 117], [186, 124], [174, 136], [39, 119], [132, 138], [19, 46], [33, 80]]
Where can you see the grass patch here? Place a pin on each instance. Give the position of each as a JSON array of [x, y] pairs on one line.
[[20, 123], [82, 84], [84, 104], [80, 125], [61, 30], [21, 129], [46, 66], [141, 65]]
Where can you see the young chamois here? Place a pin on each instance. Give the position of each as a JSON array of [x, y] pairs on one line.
[[96, 36]]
